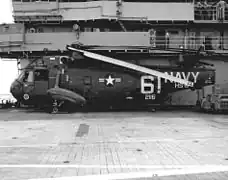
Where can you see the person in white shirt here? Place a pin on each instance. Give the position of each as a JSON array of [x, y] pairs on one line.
[[206, 10], [220, 8], [199, 7]]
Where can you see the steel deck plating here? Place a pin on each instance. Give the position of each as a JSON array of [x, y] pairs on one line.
[[36, 145]]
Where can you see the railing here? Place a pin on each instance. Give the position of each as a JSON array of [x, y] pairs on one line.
[[205, 14], [57, 40], [191, 42], [6, 101], [209, 13]]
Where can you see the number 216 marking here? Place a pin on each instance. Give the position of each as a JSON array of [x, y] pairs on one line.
[[150, 96]]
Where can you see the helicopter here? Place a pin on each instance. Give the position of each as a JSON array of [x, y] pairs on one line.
[[84, 78]]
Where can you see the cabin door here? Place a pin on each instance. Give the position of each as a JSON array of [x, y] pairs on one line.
[[28, 81], [41, 78], [208, 43]]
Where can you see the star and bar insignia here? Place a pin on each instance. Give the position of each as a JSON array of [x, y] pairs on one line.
[[109, 80]]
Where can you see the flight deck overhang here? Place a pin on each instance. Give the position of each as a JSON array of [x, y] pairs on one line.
[[16, 42], [73, 11]]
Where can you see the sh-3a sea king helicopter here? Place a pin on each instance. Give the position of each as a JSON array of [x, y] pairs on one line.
[[84, 78]]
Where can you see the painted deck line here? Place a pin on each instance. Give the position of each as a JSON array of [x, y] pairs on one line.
[[117, 141], [115, 166], [28, 145], [156, 173]]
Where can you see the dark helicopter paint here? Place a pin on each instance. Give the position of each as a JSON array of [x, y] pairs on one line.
[[101, 83]]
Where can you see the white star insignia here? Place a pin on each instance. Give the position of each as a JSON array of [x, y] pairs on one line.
[[109, 80]]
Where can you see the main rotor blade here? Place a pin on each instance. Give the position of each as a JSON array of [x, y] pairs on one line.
[[131, 66]]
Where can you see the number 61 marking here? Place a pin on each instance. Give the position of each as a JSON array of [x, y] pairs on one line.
[[147, 85]]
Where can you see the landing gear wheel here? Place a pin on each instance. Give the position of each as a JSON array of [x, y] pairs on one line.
[[204, 108], [198, 107], [55, 110], [213, 109], [55, 106]]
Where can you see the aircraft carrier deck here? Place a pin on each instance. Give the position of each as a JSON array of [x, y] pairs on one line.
[[161, 145]]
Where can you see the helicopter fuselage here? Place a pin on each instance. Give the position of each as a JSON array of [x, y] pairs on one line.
[[104, 85]]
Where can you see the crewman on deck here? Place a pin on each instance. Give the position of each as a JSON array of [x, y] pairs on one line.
[[220, 8], [199, 7], [206, 10], [167, 39]]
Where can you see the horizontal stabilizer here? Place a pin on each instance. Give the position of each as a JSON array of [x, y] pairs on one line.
[[66, 95], [132, 66]]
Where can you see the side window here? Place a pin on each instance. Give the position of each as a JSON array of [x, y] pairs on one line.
[[28, 76], [41, 75]]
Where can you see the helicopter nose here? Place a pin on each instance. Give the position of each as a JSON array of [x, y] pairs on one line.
[[16, 89]]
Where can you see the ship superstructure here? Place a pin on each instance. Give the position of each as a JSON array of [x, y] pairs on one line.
[[48, 25], [141, 32]]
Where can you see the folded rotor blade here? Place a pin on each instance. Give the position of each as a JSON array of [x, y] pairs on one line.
[[131, 66]]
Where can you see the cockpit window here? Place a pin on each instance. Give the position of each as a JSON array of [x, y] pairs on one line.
[[41, 75], [21, 75], [30, 76]]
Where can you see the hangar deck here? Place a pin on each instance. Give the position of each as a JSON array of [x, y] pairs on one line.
[[38, 145]]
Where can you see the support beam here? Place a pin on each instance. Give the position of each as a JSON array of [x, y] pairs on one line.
[[122, 26]]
